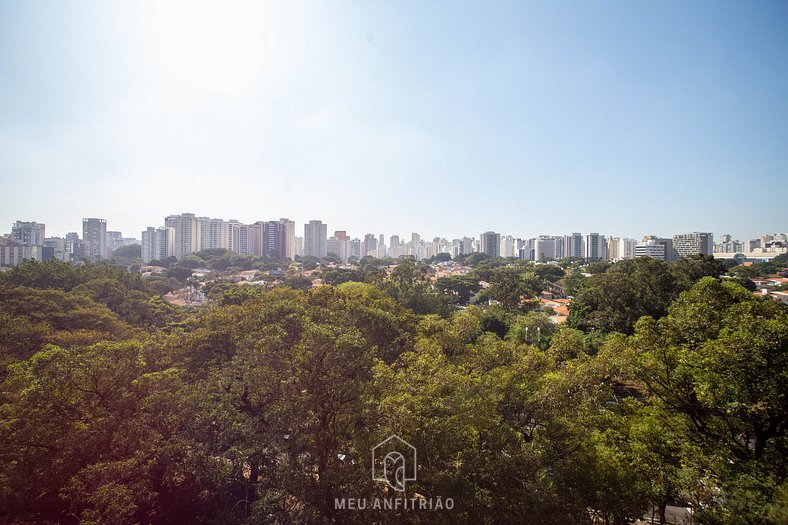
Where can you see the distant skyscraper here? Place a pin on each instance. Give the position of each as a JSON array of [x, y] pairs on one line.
[[315, 237], [214, 233], [299, 246], [370, 245], [355, 248], [148, 244], [627, 248], [507, 246], [274, 242], [692, 243], [28, 233], [187, 233], [164, 243], [240, 237], [544, 248], [339, 247], [394, 248], [613, 248], [257, 238], [491, 243], [574, 245], [94, 237], [525, 249], [289, 238], [595, 247]]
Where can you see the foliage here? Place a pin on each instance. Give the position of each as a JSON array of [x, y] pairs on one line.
[[263, 406]]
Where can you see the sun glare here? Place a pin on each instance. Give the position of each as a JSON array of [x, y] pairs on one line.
[[210, 46]]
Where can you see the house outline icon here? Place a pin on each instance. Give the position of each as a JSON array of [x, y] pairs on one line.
[[381, 453]]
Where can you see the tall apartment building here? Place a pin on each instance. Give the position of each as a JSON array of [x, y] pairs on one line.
[[414, 247], [613, 248], [187, 233], [573, 245], [627, 249], [28, 233], [94, 239], [164, 243], [257, 238], [692, 243], [240, 238], [339, 247], [274, 241], [394, 247], [370, 245], [289, 238], [544, 248], [525, 249], [595, 247], [355, 248], [148, 246], [315, 237], [214, 233], [507, 246], [491, 243]]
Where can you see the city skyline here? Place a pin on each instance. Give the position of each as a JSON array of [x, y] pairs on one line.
[[359, 233], [513, 117]]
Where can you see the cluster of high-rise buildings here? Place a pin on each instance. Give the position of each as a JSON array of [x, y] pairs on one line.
[[187, 233], [28, 240]]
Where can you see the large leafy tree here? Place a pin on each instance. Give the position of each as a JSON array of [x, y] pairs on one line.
[[720, 361]]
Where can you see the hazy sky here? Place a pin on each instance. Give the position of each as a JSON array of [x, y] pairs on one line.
[[444, 118]]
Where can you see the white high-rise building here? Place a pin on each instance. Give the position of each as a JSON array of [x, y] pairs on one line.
[[627, 249], [299, 246], [394, 247], [415, 246], [507, 246], [148, 244], [214, 233], [315, 237], [289, 234], [544, 248], [187, 233], [240, 237], [165, 243]]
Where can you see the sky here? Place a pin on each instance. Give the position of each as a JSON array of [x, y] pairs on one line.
[[445, 118]]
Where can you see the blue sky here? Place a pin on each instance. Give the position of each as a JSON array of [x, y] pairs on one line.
[[443, 118]]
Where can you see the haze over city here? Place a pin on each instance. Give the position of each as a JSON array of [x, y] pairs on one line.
[[446, 119]]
